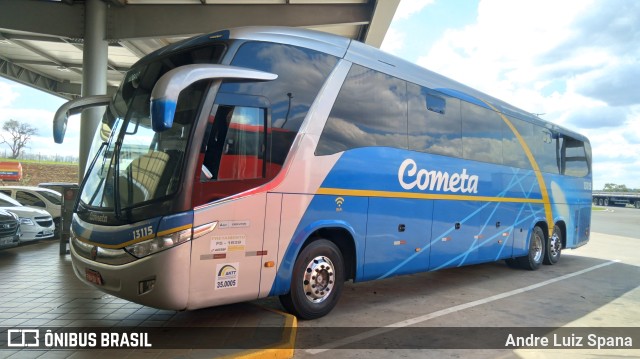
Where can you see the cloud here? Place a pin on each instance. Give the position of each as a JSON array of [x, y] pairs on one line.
[[7, 96], [612, 25], [393, 41], [632, 129], [41, 118], [614, 84], [601, 48], [406, 8], [597, 117], [574, 62]]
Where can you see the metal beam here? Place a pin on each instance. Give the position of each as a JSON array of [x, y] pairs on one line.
[[121, 70], [42, 17], [110, 64], [140, 21], [37, 80], [157, 20], [133, 48], [118, 3], [382, 16], [38, 52], [45, 38], [137, 21]]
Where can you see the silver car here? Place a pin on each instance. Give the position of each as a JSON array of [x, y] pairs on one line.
[[35, 224], [9, 230]]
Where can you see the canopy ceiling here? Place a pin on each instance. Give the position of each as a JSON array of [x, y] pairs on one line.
[[41, 41]]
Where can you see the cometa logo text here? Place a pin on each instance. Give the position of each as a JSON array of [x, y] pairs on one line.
[[410, 177]]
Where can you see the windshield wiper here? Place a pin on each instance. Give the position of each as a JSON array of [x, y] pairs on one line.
[[86, 177], [116, 182]]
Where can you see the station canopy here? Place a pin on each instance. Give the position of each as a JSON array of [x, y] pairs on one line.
[[41, 41]]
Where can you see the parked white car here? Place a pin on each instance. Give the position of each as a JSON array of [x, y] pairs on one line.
[[35, 223], [37, 197]]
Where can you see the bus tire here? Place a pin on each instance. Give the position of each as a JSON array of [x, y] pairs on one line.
[[512, 263], [553, 248], [533, 259], [316, 281]]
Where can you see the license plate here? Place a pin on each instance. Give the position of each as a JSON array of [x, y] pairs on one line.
[[93, 276]]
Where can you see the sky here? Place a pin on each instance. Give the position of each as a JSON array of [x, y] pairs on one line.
[[574, 62]]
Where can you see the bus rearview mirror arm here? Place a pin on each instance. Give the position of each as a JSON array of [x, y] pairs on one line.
[[164, 95], [71, 108]]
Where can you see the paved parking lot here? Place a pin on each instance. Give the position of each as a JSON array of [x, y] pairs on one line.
[[595, 286], [38, 289]]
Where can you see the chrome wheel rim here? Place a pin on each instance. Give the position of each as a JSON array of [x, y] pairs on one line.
[[537, 248], [554, 245], [318, 280]]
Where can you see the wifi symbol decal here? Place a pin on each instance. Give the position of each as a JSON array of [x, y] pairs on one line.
[[339, 202]]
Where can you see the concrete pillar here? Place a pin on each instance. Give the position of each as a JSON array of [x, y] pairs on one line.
[[94, 76]]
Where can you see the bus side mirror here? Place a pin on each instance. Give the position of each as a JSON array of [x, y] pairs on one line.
[[164, 96], [71, 108]]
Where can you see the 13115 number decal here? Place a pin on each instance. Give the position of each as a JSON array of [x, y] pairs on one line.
[[142, 232]]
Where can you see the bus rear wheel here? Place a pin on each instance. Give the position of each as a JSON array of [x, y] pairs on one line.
[[534, 258], [316, 281], [553, 247]]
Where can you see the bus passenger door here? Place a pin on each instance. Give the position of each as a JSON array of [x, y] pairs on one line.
[[234, 158], [226, 262], [398, 234], [270, 255]]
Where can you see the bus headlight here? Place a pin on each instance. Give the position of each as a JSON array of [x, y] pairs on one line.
[[151, 246]]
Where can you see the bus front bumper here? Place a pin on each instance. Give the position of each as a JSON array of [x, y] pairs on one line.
[[160, 280]]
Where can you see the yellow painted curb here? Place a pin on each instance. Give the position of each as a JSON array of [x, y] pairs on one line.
[[281, 350]]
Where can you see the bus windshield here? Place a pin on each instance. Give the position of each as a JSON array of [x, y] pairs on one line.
[[137, 163]]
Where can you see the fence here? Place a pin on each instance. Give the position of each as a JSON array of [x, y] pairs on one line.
[[41, 157]]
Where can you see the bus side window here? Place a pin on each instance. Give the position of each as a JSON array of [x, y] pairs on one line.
[[434, 122], [481, 134], [371, 110], [547, 149], [513, 148], [573, 157]]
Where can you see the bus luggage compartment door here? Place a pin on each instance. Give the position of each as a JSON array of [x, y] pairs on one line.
[[398, 234]]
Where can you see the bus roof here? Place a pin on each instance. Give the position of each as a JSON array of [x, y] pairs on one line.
[[365, 55]]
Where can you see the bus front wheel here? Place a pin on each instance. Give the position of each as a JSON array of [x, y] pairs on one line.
[[533, 259], [553, 247], [316, 281]]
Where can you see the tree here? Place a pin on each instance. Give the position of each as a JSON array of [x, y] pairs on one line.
[[18, 134], [612, 187]]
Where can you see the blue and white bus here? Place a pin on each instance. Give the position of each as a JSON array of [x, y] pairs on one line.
[[262, 161]]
